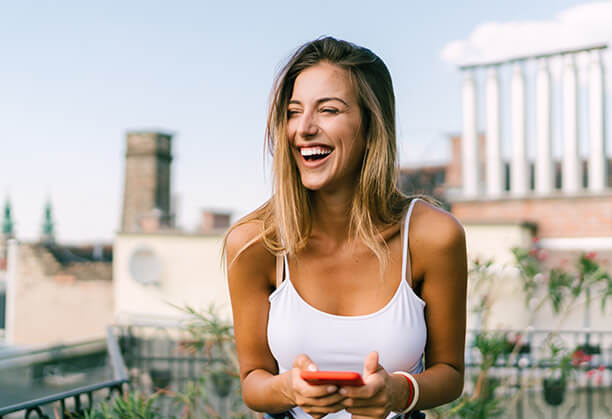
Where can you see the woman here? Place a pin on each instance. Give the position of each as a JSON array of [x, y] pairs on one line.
[[323, 276]]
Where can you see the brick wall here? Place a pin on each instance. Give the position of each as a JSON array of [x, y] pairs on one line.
[[52, 305], [578, 216]]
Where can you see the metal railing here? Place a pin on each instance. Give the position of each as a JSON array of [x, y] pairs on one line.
[[68, 401], [160, 362], [156, 361], [521, 371]]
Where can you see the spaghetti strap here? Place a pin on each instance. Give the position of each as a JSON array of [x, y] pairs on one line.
[[406, 262], [286, 266], [279, 271]]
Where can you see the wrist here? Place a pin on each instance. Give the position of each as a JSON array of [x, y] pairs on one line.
[[287, 388], [400, 392], [412, 395]]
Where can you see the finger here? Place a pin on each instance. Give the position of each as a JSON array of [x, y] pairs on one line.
[[329, 400], [303, 362], [322, 410], [370, 365], [367, 391], [314, 391], [371, 402]]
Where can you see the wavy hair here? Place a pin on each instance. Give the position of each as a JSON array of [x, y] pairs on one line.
[[287, 216]]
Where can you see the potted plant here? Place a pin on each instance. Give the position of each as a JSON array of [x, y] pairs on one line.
[[560, 364], [161, 378]]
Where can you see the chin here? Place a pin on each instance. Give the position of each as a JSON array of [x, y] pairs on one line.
[[312, 186], [313, 183]]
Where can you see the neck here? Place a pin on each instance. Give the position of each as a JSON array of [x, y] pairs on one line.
[[331, 213]]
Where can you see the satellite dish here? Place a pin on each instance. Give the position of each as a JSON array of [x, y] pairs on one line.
[[145, 266]]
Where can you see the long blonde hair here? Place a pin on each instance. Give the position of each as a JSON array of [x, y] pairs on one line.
[[287, 216]]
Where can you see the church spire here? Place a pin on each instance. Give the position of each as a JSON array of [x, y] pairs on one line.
[[48, 226], [7, 220]]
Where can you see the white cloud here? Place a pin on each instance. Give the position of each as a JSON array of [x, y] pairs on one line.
[[572, 28]]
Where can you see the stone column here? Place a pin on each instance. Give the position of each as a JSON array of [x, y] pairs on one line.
[[495, 184], [597, 125], [544, 181], [519, 171], [572, 170], [469, 160]]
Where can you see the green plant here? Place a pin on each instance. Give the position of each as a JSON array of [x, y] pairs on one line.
[[490, 345], [558, 285], [592, 273], [528, 263], [212, 337], [129, 406], [559, 361], [483, 405]]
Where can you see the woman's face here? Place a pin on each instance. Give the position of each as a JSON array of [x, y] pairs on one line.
[[324, 128]]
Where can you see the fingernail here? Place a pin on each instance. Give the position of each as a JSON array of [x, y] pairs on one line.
[[343, 391], [311, 367], [331, 389]]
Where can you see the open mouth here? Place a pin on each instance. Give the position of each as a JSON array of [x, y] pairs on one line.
[[315, 153]]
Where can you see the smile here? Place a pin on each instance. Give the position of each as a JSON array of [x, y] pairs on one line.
[[315, 153]]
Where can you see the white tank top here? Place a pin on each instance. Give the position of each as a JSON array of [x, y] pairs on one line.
[[340, 343]]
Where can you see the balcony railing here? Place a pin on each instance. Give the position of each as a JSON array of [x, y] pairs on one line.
[[519, 373], [46, 382], [156, 359]]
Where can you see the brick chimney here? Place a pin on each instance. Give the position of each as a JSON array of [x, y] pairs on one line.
[[147, 182], [214, 221]]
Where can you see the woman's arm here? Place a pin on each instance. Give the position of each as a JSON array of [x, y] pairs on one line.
[[250, 278], [438, 246]]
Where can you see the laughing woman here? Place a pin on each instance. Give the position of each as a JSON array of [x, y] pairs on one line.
[[339, 270]]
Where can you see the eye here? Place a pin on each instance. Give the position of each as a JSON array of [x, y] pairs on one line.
[[292, 112], [329, 110]]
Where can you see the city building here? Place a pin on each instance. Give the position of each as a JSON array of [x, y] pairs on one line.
[[52, 293], [565, 204], [159, 269]]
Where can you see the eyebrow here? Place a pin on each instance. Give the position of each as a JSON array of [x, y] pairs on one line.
[[319, 101]]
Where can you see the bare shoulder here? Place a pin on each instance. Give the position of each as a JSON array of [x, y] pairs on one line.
[[435, 236], [433, 227], [241, 235], [245, 249]]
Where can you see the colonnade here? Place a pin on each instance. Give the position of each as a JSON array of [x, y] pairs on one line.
[[544, 165]]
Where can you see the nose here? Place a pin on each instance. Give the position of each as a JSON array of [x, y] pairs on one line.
[[307, 125]]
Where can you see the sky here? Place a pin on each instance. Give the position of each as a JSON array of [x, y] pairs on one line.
[[76, 76]]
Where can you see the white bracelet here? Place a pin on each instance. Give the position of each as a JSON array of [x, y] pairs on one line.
[[415, 396]]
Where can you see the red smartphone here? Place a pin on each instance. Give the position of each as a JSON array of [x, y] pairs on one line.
[[339, 378]]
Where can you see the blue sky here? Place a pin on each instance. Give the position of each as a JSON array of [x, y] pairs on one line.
[[75, 76]]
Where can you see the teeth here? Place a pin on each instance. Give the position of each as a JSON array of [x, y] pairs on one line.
[[314, 151]]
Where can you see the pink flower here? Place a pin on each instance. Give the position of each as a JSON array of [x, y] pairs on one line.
[[579, 357], [596, 372], [591, 255], [542, 255]]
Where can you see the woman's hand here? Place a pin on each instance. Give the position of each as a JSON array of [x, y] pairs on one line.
[[315, 400], [381, 393]]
